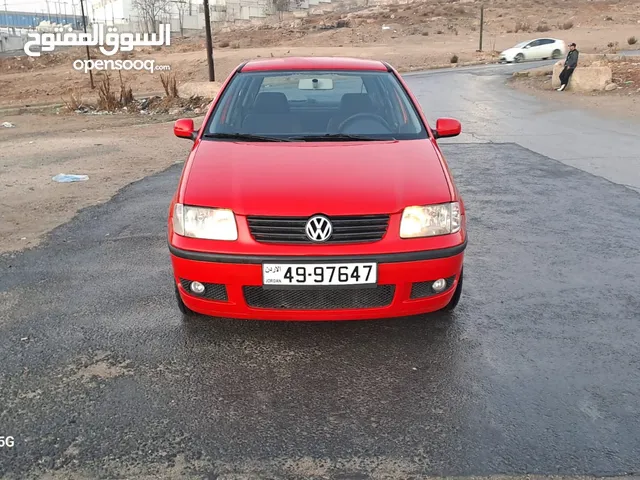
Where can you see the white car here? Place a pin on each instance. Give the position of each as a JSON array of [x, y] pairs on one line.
[[538, 49]]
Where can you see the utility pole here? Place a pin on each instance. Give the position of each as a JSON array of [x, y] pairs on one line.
[[481, 25], [207, 26], [84, 23]]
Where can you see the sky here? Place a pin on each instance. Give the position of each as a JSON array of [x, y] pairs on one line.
[[41, 6]]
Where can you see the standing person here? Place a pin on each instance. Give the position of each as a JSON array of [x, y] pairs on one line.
[[570, 65]]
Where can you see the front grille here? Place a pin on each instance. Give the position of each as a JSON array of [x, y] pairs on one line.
[[352, 229], [212, 291], [424, 290], [319, 299]]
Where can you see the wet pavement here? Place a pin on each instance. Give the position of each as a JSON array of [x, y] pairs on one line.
[[489, 112], [536, 372]]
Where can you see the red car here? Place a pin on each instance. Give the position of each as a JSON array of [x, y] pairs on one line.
[[315, 190]]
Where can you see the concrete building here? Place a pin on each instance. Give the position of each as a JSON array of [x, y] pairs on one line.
[[187, 14], [190, 13], [30, 20]]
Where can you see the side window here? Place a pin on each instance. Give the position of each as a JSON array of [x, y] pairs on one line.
[[228, 113], [400, 112]]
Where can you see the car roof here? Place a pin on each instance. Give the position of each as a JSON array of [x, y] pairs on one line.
[[313, 63]]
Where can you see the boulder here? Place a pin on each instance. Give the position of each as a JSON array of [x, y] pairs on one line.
[[610, 87], [584, 79]]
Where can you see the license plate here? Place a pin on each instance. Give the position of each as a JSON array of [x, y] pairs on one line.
[[320, 274]]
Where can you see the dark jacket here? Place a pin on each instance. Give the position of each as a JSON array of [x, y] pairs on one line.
[[572, 59]]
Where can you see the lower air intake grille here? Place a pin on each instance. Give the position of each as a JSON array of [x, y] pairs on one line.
[[212, 291], [424, 290], [319, 299]]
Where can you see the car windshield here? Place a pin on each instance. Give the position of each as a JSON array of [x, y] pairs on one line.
[[314, 106], [520, 45]]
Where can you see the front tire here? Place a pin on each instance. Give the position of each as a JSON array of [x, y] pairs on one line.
[[556, 54], [456, 295], [519, 58], [187, 313]]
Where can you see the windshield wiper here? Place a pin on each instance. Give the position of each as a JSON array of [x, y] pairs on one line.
[[246, 136], [339, 136]]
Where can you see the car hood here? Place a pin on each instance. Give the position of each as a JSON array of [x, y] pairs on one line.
[[300, 179]]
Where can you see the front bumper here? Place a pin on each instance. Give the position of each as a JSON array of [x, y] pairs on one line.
[[234, 286]]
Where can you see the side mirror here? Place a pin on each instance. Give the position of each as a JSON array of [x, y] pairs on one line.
[[184, 128], [447, 127]]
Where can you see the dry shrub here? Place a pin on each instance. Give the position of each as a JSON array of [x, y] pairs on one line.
[[107, 100], [454, 59], [567, 25], [613, 46], [542, 27], [224, 44], [522, 27], [235, 45], [460, 10], [632, 40], [170, 84], [74, 102], [425, 34], [126, 93]]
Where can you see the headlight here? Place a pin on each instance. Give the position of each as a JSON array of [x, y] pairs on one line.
[[207, 223], [430, 220]]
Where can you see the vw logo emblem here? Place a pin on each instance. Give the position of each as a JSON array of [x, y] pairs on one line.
[[318, 228]]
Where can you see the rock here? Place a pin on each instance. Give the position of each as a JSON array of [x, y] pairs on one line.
[[610, 87], [584, 79]]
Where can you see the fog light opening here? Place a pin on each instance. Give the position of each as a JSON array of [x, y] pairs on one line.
[[197, 287], [439, 285]]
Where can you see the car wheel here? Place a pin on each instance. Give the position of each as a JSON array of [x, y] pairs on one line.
[[456, 295], [556, 54], [519, 58], [187, 313]]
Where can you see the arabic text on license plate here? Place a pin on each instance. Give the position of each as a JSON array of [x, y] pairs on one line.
[[319, 274]]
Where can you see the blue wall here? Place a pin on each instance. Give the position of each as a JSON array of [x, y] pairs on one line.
[[32, 19]]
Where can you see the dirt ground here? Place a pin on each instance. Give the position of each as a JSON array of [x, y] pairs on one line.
[[106, 148], [623, 102], [411, 36]]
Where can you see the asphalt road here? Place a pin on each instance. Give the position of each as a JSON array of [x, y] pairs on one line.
[[537, 371], [491, 113]]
